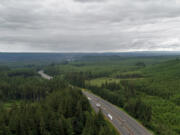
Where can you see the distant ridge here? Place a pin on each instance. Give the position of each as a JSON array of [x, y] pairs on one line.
[[25, 57]]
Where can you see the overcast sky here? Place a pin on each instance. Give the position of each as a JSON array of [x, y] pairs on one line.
[[89, 25]]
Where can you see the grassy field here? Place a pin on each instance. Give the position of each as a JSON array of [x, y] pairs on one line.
[[100, 81]]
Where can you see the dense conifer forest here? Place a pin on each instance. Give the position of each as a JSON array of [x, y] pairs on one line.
[[30, 105]]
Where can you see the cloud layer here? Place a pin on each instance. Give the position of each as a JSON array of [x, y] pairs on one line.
[[89, 25]]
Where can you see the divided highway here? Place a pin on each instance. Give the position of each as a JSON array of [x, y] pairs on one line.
[[124, 123]]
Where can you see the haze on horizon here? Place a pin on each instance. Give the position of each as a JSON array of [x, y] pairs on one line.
[[89, 25]]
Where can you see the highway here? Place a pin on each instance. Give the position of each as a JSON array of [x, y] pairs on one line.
[[125, 124]]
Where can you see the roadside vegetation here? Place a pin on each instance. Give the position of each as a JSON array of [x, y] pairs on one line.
[[146, 88]]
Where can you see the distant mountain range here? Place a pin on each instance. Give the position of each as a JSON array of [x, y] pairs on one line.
[[58, 57]]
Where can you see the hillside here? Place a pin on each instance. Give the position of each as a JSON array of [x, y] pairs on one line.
[[161, 90], [146, 88]]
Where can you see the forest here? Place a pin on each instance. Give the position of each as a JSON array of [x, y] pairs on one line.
[[147, 88], [30, 105]]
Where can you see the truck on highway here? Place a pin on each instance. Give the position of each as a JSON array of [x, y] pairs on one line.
[[110, 116]]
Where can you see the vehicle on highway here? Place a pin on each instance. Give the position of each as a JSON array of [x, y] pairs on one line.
[[110, 117], [98, 105]]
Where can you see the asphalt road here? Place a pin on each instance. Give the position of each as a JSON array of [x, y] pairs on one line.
[[125, 124]]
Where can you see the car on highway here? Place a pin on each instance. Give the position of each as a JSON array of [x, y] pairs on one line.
[[98, 105], [89, 98], [110, 117]]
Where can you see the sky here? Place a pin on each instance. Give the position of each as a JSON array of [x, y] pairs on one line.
[[89, 25]]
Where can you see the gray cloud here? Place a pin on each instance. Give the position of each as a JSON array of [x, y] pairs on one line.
[[87, 1], [84, 25]]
